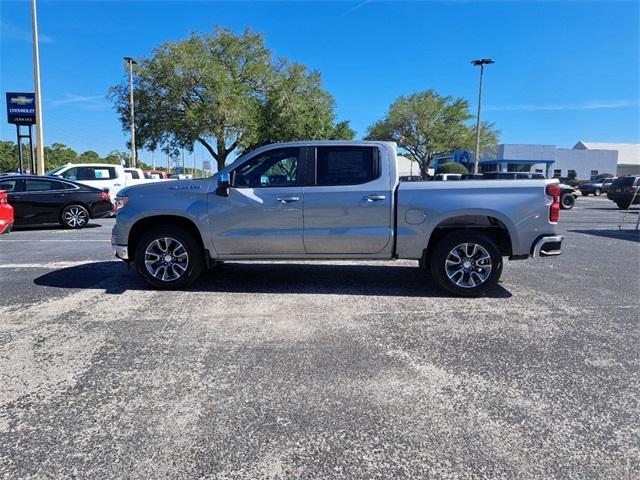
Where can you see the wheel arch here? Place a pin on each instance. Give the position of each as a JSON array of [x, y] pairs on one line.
[[141, 226], [492, 226]]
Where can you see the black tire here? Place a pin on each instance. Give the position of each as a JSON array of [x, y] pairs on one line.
[[567, 201], [180, 271], [623, 205], [597, 192], [443, 252], [584, 194], [74, 216]]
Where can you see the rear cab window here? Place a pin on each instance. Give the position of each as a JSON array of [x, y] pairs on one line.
[[346, 165]]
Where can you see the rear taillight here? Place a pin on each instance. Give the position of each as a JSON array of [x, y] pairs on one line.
[[553, 191], [105, 196], [3, 197]]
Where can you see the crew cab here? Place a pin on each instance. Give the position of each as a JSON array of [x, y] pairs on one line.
[[104, 176], [334, 200]]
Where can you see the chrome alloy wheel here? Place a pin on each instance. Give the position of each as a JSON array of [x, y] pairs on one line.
[[166, 259], [468, 265], [75, 217]]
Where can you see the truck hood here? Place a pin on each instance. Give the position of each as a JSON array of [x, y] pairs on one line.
[[166, 187]]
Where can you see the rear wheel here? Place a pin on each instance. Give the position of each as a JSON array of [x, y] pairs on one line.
[[567, 201], [74, 216], [584, 194], [466, 263], [169, 258], [597, 192], [623, 205]]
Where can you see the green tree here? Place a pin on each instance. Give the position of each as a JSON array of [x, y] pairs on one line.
[[9, 156], [426, 124], [89, 157], [220, 90], [117, 157], [297, 108], [59, 154], [452, 167]]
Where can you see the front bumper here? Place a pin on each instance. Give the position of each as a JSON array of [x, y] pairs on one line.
[[120, 251], [548, 246]]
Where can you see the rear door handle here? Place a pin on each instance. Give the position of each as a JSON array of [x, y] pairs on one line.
[[374, 198], [288, 199]]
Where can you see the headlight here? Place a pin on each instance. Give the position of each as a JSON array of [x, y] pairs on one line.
[[121, 202]]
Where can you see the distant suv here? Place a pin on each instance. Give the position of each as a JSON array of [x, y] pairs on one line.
[[624, 191], [596, 187]]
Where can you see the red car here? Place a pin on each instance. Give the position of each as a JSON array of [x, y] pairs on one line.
[[155, 175], [6, 213]]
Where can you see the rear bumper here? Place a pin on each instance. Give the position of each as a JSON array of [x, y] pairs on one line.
[[547, 246]]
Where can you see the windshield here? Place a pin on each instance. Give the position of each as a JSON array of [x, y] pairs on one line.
[[55, 170]]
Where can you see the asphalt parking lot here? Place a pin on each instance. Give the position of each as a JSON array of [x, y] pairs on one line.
[[320, 370]]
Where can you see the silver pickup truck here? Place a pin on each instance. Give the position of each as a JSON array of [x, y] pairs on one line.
[[334, 200]]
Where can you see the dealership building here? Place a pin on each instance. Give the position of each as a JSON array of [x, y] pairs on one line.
[[586, 159]]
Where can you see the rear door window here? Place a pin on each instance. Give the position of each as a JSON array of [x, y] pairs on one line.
[[40, 185], [346, 165], [8, 185]]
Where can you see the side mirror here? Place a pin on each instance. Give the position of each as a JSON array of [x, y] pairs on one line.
[[224, 182]]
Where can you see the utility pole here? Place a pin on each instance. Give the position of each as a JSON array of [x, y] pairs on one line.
[[481, 63], [36, 81], [131, 62]]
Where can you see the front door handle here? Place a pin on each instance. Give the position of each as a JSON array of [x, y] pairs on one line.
[[288, 199], [374, 198]]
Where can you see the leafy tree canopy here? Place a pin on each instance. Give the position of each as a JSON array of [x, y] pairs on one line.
[[426, 124], [226, 92]]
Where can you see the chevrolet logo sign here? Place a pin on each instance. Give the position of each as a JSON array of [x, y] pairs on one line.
[[21, 100]]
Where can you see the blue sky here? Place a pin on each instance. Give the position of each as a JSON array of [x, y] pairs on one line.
[[565, 71]]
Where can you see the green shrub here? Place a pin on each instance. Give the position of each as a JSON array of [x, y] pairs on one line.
[[452, 168]]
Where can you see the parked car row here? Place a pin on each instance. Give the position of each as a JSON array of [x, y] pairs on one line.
[[38, 200]]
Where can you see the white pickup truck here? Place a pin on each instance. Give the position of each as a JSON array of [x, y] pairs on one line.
[[334, 200], [105, 176]]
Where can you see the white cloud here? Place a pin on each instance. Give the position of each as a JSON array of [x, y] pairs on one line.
[[13, 32], [588, 105], [93, 102]]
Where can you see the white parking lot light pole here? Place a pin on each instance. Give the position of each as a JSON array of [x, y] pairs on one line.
[[481, 63], [131, 61], [36, 82]]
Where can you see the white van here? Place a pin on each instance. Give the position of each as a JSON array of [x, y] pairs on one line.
[[98, 175]]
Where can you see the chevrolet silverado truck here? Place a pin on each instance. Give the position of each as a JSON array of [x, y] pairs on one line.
[[334, 200]]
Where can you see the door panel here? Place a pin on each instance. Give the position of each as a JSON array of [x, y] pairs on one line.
[[262, 214], [260, 221], [352, 212]]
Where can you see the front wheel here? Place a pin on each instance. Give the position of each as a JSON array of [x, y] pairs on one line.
[[466, 263], [623, 205], [168, 258], [74, 216], [567, 201], [597, 192]]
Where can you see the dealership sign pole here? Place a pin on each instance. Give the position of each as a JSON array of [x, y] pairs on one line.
[[21, 110], [38, 95]]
